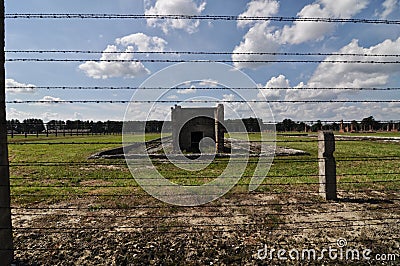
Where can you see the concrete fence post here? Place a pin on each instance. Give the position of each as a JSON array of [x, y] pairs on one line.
[[327, 165], [6, 241]]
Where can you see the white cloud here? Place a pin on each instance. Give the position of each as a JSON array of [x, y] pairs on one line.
[[147, 112], [353, 75], [305, 31], [13, 86], [357, 75], [344, 8], [209, 82], [335, 111], [47, 101], [274, 82], [388, 7], [301, 32], [278, 82], [236, 109], [174, 7], [105, 70], [191, 90], [13, 113], [257, 39], [50, 99], [47, 116], [143, 42], [258, 8], [329, 75], [262, 37], [78, 116], [128, 44]]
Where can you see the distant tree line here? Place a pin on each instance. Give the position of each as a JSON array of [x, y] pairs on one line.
[[366, 124], [37, 126]]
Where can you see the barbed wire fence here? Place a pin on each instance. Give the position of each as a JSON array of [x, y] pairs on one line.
[[93, 211]]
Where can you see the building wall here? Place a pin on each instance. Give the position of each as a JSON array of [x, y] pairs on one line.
[[199, 124], [185, 121]]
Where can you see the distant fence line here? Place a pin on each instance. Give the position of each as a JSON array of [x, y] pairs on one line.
[[78, 127]]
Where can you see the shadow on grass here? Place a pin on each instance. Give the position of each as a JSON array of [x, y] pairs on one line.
[[23, 263], [363, 201]]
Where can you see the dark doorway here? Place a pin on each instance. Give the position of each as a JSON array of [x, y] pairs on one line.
[[195, 138]]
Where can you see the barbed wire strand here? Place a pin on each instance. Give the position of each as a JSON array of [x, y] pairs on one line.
[[280, 161], [199, 88], [208, 225], [120, 195], [195, 53], [212, 205], [54, 60], [196, 17], [163, 230], [174, 216], [355, 139], [205, 185], [211, 225], [269, 177], [67, 124], [193, 101], [314, 243]]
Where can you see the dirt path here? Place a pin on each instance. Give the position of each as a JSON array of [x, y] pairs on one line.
[[230, 231]]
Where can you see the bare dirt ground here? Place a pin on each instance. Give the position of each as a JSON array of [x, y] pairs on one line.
[[230, 231]]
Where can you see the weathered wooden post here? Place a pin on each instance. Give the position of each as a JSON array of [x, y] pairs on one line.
[[175, 117], [327, 165], [6, 242], [219, 134]]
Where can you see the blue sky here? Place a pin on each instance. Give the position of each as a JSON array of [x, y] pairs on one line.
[[120, 36]]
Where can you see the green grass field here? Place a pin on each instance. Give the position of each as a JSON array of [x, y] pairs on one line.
[[48, 169]]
